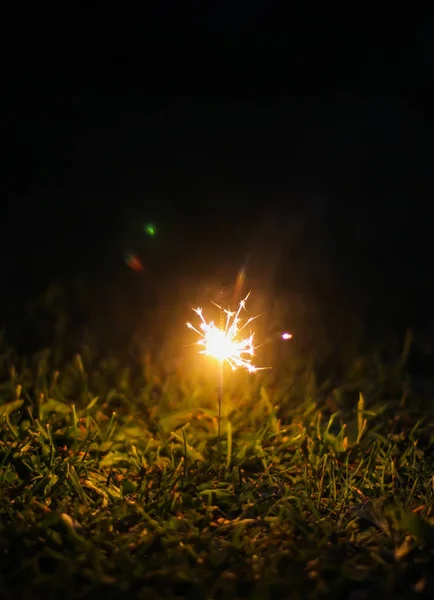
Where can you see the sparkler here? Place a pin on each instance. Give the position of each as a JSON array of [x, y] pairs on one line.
[[226, 343]]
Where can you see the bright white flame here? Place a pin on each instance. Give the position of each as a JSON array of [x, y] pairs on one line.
[[224, 344]]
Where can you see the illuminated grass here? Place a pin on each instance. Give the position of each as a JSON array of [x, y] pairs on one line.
[[110, 487]]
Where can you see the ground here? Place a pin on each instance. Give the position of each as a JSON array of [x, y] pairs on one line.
[[114, 483]]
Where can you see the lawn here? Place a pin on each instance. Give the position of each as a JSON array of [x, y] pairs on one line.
[[114, 483]]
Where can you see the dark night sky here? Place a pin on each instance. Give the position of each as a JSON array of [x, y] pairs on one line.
[[271, 115]]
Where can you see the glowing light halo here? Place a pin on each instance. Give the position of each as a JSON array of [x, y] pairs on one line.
[[224, 343]]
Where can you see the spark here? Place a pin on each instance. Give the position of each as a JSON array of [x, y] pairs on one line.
[[225, 343]]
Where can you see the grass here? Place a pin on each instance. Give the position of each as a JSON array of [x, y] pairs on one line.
[[112, 486]]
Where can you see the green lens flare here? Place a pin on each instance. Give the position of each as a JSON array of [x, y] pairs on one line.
[[150, 229]]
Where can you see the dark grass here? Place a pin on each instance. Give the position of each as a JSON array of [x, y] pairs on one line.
[[112, 484]]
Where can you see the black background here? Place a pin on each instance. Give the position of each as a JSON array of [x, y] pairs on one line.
[[304, 141]]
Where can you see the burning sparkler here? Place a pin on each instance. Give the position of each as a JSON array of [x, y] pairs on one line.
[[226, 343]]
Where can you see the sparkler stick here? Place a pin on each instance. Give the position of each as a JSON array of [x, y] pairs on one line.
[[220, 388], [220, 400]]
